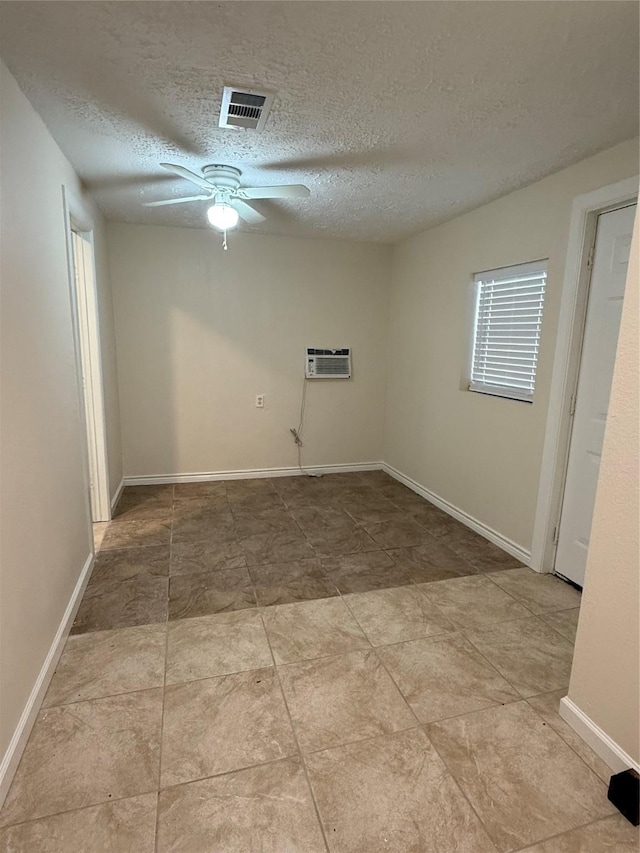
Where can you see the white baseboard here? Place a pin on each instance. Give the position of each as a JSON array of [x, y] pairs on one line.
[[489, 533], [609, 751], [205, 476], [12, 756], [116, 497]]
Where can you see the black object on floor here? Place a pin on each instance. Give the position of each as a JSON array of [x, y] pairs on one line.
[[624, 793]]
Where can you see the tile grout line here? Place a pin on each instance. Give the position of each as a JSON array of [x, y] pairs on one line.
[[151, 792], [425, 592], [78, 809], [106, 695], [531, 617], [493, 707], [495, 624], [417, 727], [563, 738], [224, 773], [164, 682], [295, 736], [458, 785], [564, 833], [557, 630], [382, 664], [490, 663], [523, 602], [511, 595]]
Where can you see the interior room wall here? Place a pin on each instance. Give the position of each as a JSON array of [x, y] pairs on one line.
[[481, 454], [201, 332], [605, 681], [46, 535]]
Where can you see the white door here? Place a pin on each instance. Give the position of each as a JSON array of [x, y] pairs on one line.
[[91, 374], [606, 292]]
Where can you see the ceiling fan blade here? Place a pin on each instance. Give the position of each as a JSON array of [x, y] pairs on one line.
[[186, 173], [247, 212], [285, 191], [371, 158], [176, 200], [124, 182]]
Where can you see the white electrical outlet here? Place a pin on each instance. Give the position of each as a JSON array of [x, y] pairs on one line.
[[259, 401]]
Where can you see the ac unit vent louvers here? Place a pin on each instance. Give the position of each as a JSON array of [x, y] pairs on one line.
[[246, 110], [332, 366]]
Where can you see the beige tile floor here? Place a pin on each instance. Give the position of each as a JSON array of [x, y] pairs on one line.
[[301, 665]]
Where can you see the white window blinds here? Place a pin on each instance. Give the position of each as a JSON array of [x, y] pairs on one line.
[[507, 330]]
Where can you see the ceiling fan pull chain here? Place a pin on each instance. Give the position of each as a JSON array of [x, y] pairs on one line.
[[224, 240]]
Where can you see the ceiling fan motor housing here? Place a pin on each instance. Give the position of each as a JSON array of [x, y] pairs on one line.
[[222, 177]]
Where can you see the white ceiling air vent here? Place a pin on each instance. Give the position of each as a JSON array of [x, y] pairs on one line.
[[244, 108], [328, 363]]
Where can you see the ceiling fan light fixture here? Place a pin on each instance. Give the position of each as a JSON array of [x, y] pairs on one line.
[[222, 216]]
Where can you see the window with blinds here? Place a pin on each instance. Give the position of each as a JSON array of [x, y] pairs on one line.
[[507, 330]]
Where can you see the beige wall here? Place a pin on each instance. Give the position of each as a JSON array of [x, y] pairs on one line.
[[606, 665], [45, 536], [200, 332], [482, 454]]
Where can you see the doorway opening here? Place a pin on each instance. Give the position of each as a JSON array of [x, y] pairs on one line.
[[610, 259], [595, 276], [84, 300]]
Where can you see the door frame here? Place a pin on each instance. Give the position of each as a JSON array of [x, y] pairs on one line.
[[566, 364], [88, 352]]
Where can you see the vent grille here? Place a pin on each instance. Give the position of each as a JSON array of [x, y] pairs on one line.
[[244, 109], [332, 366]]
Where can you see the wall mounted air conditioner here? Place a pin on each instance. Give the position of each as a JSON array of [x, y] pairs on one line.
[[328, 363]]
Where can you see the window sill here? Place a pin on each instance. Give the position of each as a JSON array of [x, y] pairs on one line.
[[497, 391]]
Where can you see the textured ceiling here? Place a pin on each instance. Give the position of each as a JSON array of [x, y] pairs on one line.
[[397, 115]]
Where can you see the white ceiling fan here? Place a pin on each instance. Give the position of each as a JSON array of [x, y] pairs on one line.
[[222, 187]]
